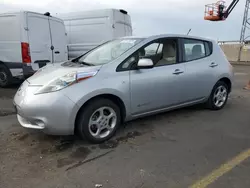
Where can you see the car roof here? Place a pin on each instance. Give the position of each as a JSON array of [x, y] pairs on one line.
[[153, 37]]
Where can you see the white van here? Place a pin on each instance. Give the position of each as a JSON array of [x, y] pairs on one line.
[[28, 41], [88, 29]]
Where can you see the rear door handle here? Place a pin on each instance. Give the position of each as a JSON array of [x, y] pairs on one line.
[[57, 52], [178, 71], [213, 65]]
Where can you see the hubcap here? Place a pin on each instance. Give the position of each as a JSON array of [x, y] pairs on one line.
[[3, 77], [220, 96], [102, 122]]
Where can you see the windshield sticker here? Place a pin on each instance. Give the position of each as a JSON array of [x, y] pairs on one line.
[[128, 41]]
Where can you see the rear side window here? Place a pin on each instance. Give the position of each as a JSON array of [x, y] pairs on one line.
[[196, 49]]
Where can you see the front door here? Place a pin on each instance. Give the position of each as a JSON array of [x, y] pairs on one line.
[[58, 40], [161, 86]]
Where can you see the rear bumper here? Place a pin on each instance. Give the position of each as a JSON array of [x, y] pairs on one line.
[[19, 70], [27, 71]]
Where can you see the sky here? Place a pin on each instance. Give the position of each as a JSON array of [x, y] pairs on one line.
[[149, 17]]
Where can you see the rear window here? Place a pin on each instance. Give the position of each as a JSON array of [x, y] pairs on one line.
[[10, 28], [196, 49]]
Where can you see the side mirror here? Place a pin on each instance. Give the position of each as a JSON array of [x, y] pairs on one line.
[[145, 64]]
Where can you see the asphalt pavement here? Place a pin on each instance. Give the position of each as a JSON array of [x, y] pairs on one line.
[[192, 147]]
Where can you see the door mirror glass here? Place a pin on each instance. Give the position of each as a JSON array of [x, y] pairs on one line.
[[145, 64]]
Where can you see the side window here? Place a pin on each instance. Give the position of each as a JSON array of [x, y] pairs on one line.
[[153, 49], [131, 60], [168, 53], [195, 49], [160, 49], [208, 48], [161, 52]]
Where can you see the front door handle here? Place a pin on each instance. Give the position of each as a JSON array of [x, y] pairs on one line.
[[57, 52], [213, 65], [178, 71]]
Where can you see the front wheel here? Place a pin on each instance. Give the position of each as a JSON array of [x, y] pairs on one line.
[[99, 120], [218, 97]]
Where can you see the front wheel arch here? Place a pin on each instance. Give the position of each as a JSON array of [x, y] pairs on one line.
[[117, 100]]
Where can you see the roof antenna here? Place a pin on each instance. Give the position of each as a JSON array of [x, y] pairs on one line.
[[47, 14], [189, 31]]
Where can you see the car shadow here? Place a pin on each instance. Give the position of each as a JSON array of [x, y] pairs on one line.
[[126, 131], [71, 151]]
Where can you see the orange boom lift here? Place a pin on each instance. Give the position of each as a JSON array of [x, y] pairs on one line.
[[218, 11]]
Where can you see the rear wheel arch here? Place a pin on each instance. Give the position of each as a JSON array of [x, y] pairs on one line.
[[3, 64], [228, 82], [114, 98], [5, 71], [219, 95]]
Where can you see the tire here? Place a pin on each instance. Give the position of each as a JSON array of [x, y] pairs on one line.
[[219, 93], [90, 121], [5, 76]]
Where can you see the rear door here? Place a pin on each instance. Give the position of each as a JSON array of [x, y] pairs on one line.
[[58, 40], [200, 68], [39, 39], [120, 27], [128, 25]]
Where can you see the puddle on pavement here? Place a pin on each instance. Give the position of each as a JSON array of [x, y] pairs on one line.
[[93, 147], [114, 143], [62, 146], [69, 146], [109, 144], [23, 137], [6, 113], [129, 136], [80, 153], [64, 162]]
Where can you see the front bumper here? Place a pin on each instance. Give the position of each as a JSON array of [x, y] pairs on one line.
[[53, 113]]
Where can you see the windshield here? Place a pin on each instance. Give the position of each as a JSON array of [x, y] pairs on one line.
[[108, 51]]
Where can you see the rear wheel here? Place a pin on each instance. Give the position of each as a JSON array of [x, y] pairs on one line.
[[218, 97], [99, 120], [5, 76]]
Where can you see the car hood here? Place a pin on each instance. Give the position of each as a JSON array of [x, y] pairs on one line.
[[53, 71]]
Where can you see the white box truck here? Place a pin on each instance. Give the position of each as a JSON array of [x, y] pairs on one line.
[[28, 41], [87, 29]]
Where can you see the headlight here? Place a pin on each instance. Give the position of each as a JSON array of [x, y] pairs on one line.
[[65, 81]]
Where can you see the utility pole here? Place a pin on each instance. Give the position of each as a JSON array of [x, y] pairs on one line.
[[245, 27]]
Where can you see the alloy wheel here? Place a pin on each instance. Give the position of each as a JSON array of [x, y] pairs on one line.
[[220, 96], [102, 122]]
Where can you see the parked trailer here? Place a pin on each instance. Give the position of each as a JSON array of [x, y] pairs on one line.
[[28, 41], [88, 29]]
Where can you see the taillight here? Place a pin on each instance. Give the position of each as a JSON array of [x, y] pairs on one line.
[[26, 52]]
